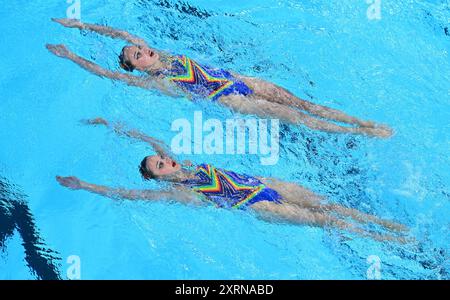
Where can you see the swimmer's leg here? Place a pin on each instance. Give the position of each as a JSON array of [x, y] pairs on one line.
[[362, 218], [293, 192], [274, 93], [343, 225], [296, 194], [292, 214], [266, 109]]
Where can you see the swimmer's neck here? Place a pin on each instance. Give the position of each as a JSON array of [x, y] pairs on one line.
[[164, 63], [181, 176]]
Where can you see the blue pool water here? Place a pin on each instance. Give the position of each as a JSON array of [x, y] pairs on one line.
[[395, 70]]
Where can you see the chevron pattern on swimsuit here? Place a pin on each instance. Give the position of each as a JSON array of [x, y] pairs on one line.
[[219, 184], [196, 77]]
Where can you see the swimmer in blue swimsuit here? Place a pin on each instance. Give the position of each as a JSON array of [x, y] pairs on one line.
[[180, 76], [270, 199], [226, 189]]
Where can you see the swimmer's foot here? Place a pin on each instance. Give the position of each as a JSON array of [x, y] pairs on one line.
[[382, 131], [394, 226]]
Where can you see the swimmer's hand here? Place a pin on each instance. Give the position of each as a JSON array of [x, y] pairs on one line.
[[59, 50], [72, 182], [69, 23], [96, 121]]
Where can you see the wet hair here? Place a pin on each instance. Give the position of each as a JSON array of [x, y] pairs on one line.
[[146, 173], [125, 63]]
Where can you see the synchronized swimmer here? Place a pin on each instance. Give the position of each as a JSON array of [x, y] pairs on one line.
[[269, 198], [180, 76]]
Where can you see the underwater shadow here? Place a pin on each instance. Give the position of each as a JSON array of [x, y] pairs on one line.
[[15, 215]]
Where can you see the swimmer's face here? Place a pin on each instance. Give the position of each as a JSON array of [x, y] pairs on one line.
[[140, 57], [161, 166]]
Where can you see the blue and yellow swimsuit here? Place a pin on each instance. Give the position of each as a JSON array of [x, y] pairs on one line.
[[230, 190], [203, 81]]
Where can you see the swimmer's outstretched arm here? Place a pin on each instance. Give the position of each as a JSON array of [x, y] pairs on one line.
[[177, 195], [103, 30], [62, 51], [156, 144], [142, 82]]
